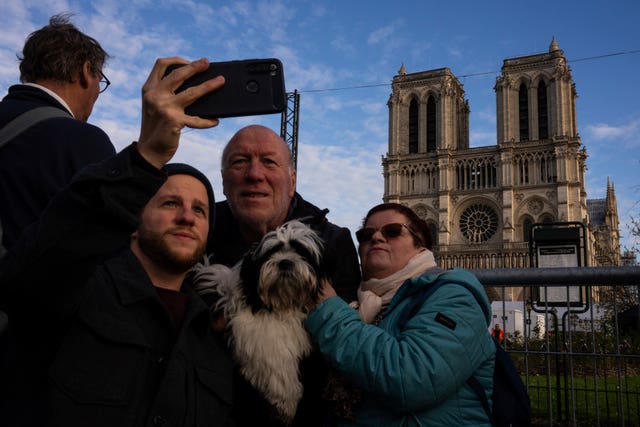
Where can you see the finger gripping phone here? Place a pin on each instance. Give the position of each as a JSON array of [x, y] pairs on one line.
[[252, 87]]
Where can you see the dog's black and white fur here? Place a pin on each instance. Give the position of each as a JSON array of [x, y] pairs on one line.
[[265, 299]]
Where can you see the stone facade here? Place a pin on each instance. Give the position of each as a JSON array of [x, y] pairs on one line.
[[481, 202]]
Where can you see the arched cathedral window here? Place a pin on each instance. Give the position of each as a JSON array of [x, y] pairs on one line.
[[476, 173], [413, 126], [523, 112], [548, 168], [523, 171], [431, 125], [543, 116], [433, 228], [526, 229]]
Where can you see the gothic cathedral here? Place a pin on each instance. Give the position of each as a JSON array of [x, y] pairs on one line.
[[481, 202]]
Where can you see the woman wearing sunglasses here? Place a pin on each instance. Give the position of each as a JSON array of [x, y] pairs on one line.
[[410, 365]]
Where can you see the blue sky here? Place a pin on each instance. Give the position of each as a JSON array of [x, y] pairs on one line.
[[327, 46]]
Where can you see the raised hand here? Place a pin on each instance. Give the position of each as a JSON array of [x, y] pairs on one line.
[[163, 115]]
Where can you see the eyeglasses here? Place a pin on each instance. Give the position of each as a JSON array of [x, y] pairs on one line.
[[388, 231], [104, 82]]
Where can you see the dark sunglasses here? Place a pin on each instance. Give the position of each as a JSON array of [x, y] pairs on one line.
[[388, 231]]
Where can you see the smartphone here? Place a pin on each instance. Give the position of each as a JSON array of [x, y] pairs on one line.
[[252, 86]]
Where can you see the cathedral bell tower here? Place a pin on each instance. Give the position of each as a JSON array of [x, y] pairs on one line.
[[481, 202], [537, 134]]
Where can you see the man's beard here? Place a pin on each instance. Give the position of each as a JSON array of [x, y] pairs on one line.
[[157, 249]]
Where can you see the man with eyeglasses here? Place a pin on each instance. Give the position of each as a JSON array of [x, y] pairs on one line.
[[61, 68], [44, 135]]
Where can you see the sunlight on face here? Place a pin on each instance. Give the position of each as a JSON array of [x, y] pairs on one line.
[[257, 178], [175, 224], [380, 257]]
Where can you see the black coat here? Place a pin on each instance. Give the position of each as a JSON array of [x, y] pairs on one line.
[[38, 163], [227, 247], [93, 344]]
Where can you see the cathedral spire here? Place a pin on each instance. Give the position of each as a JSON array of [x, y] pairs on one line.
[[611, 195], [554, 45], [402, 71]]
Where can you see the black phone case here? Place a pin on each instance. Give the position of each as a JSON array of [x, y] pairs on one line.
[[252, 86]]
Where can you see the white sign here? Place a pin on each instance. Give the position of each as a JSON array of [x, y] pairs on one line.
[[555, 257]]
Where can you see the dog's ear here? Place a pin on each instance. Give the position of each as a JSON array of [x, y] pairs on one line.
[[249, 269], [249, 275]]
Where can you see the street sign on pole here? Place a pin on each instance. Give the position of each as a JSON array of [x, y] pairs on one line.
[[554, 245]]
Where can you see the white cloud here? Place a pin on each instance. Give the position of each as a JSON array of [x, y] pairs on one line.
[[341, 178], [629, 132], [482, 138], [486, 116], [342, 44], [456, 52], [381, 35], [301, 75]]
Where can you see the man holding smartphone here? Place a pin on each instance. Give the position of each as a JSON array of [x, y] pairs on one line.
[[104, 324]]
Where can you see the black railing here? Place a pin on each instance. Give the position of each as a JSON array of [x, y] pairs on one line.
[[574, 334]]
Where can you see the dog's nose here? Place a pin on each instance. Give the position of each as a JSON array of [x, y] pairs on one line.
[[285, 264]]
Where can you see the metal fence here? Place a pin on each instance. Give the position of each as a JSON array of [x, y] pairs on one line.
[[574, 335]]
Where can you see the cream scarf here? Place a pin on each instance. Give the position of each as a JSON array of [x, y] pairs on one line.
[[374, 294]]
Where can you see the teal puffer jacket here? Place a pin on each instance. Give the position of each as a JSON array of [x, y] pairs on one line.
[[415, 376]]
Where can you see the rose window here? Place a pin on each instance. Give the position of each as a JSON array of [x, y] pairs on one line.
[[478, 223]]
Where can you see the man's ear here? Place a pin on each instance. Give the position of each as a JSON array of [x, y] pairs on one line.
[[293, 183], [224, 188], [85, 74]]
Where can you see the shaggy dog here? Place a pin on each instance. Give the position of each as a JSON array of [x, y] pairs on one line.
[[265, 299]]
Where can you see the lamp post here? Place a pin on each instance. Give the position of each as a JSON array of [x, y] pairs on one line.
[[528, 307], [554, 313]]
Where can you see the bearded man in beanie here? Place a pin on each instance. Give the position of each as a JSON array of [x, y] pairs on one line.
[[105, 327]]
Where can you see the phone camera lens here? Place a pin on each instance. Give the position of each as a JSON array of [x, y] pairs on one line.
[[252, 86]]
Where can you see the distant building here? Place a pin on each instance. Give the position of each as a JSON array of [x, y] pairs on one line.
[[629, 258], [604, 228], [481, 202]]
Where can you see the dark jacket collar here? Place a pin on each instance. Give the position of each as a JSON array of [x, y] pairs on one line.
[[32, 94], [133, 285]]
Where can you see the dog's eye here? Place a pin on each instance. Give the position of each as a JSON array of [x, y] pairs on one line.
[[302, 249], [275, 248]]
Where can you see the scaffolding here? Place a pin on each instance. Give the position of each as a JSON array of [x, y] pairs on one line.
[[289, 124]]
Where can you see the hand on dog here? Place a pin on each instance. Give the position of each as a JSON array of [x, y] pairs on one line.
[[326, 291], [219, 322]]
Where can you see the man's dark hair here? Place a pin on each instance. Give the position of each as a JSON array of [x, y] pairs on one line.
[[58, 51]]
